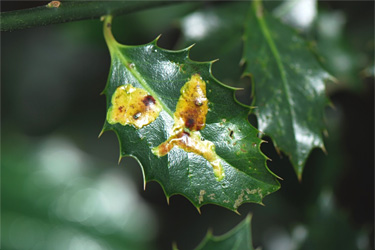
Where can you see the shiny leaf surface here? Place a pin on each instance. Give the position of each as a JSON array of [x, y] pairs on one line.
[[289, 85], [186, 168]]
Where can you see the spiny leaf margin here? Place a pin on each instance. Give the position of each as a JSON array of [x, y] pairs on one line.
[[288, 85], [239, 238], [241, 184]]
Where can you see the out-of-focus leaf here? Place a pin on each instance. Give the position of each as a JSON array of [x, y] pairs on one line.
[[325, 218], [217, 31], [289, 89], [55, 197], [297, 13], [326, 227], [228, 171], [338, 56], [239, 238], [369, 71]]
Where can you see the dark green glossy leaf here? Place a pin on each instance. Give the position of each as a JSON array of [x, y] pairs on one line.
[[162, 74], [289, 86], [239, 238]]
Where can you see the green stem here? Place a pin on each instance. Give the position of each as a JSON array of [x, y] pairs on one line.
[[107, 30], [71, 11]]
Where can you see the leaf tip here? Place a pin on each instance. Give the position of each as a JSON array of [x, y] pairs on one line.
[[199, 210], [174, 246], [278, 177], [242, 63], [119, 159], [324, 148], [332, 79], [236, 211], [299, 176], [189, 47], [101, 133], [156, 39], [215, 60]]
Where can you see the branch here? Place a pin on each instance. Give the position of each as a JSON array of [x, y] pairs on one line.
[[56, 12]]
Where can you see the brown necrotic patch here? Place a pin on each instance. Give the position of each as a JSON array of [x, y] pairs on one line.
[[132, 106], [148, 100], [192, 106], [189, 118]]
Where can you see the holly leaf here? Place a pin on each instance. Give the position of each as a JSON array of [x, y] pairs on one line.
[[239, 238], [184, 127], [288, 86]]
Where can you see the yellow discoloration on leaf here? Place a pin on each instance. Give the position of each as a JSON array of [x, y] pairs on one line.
[[192, 106], [132, 106], [192, 142], [189, 118]]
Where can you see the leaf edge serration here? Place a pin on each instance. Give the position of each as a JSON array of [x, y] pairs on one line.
[[186, 53]]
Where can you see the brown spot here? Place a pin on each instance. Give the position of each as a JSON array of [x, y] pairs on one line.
[[148, 100], [183, 138], [190, 116], [128, 107], [231, 134], [189, 123], [109, 25]]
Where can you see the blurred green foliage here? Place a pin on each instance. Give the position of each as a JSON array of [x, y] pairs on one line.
[[61, 188], [56, 197]]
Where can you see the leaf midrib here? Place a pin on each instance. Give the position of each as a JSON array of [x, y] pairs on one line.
[[142, 81], [265, 31], [115, 51], [113, 46], [144, 84]]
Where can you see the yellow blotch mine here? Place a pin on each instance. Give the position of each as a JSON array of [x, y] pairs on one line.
[[132, 106], [189, 118]]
